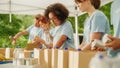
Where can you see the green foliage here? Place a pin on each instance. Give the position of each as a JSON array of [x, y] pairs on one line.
[[81, 20], [19, 23]]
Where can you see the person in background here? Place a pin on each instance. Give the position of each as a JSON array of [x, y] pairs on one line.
[[33, 30], [115, 17], [95, 25], [46, 38], [114, 45], [63, 32]]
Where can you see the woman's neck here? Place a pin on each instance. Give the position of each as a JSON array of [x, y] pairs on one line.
[[90, 11]]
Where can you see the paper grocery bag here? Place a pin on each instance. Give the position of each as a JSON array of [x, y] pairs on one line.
[[44, 57], [76, 59], [42, 62], [63, 59], [87, 57], [36, 52], [54, 58], [49, 58], [71, 59], [84, 58], [2, 51], [11, 52]]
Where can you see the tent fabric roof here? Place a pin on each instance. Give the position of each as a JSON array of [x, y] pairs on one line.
[[32, 7]]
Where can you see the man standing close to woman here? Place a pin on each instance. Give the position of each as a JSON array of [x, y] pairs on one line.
[[95, 25]]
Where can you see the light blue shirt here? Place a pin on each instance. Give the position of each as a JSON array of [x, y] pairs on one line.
[[115, 20], [115, 17], [97, 22], [46, 36], [64, 29], [34, 31]]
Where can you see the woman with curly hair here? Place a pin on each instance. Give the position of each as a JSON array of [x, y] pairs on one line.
[[63, 32]]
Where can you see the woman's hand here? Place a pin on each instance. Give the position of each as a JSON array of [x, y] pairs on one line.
[[114, 44], [98, 49], [37, 39], [14, 41]]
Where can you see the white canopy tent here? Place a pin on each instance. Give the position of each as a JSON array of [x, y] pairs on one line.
[[32, 7]]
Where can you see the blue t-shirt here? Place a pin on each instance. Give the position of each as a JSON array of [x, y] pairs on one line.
[[115, 20], [34, 31], [46, 36], [115, 17], [97, 22], [64, 29]]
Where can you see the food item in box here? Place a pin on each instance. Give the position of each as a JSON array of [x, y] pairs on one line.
[[28, 53], [97, 43], [32, 44], [106, 39]]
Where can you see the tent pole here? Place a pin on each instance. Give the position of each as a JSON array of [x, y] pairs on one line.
[[76, 29], [10, 13]]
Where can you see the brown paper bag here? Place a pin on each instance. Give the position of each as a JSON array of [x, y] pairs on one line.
[[63, 59], [11, 52], [76, 59], [44, 57], [71, 59], [40, 54], [49, 58], [54, 58], [36, 52], [41, 59], [2, 51], [82, 58]]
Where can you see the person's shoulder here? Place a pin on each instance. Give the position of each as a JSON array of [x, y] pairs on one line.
[[67, 22], [99, 13], [31, 26]]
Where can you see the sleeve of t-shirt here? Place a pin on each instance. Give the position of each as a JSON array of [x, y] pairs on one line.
[[98, 24], [67, 31], [29, 28]]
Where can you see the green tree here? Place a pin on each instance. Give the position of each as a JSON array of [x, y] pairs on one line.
[[19, 23]]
